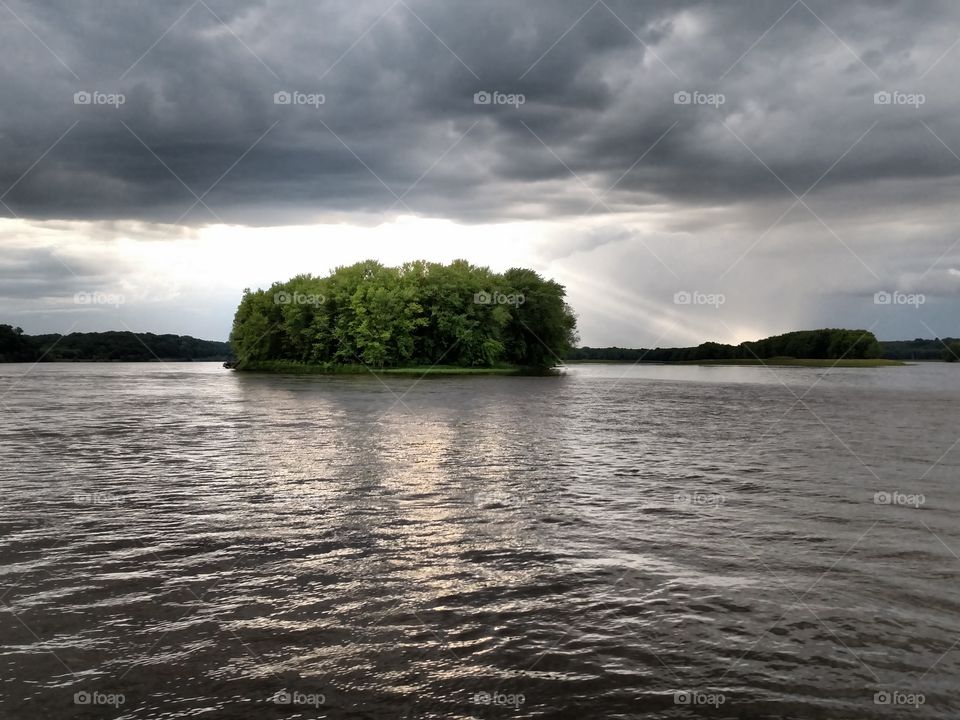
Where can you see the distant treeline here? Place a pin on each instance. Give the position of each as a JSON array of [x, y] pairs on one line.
[[15, 346], [828, 343], [106, 346], [937, 349]]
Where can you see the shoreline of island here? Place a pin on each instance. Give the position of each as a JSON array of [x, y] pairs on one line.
[[289, 367]]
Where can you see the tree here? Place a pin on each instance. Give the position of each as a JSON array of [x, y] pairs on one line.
[[14, 345], [542, 328]]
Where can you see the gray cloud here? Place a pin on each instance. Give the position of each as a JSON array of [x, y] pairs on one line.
[[403, 95], [598, 141]]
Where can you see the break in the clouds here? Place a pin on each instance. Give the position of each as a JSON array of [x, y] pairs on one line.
[[795, 158]]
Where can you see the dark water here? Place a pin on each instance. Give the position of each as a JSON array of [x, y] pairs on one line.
[[180, 541]]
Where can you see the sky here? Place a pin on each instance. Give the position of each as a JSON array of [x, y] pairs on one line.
[[690, 171]]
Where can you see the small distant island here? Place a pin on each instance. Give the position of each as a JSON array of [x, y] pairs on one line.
[[113, 346], [824, 347], [456, 318]]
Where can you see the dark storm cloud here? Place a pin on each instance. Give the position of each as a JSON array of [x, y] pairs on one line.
[[399, 82]]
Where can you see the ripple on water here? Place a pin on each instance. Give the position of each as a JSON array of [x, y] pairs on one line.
[[201, 541]]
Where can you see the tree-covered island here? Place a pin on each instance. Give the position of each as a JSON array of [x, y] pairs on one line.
[[418, 315]]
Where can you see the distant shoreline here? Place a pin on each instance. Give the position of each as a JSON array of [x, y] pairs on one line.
[[850, 349], [293, 368], [778, 361], [74, 361], [301, 369], [109, 346]]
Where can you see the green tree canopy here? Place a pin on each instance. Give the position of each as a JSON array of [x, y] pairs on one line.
[[420, 313]]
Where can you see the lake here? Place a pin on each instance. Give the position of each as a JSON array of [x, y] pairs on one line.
[[180, 540]]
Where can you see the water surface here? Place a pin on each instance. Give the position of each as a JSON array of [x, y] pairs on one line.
[[203, 543]]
